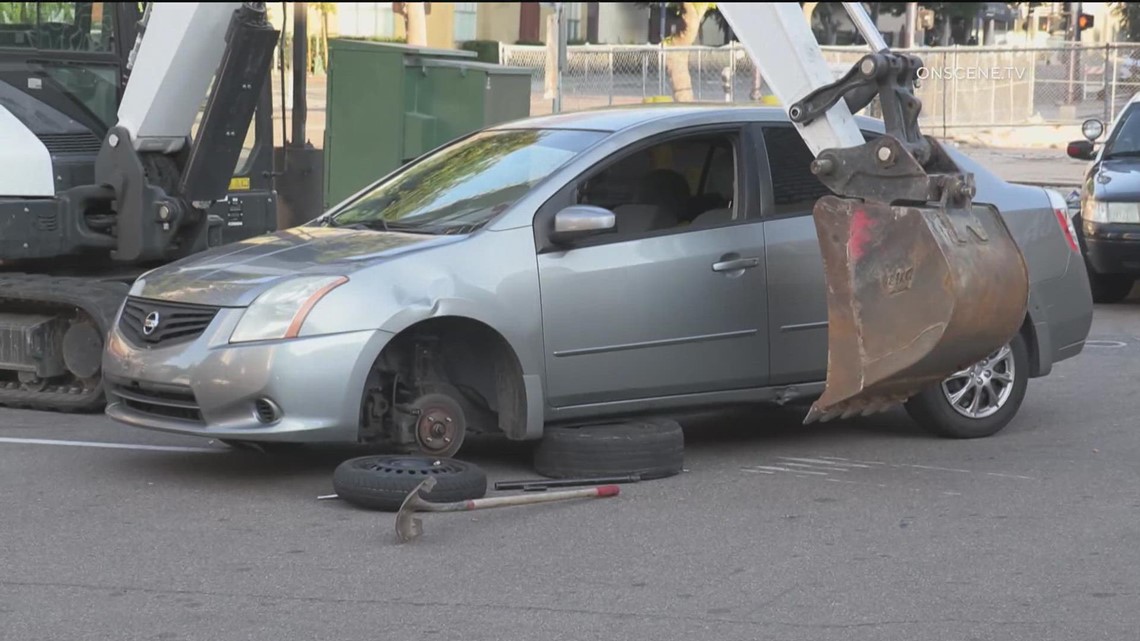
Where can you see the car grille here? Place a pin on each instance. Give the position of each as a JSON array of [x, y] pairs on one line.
[[175, 322], [170, 403]]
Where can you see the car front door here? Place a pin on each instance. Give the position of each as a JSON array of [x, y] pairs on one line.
[[672, 302], [797, 289]]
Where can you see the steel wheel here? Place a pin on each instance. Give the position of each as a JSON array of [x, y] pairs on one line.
[[980, 391]]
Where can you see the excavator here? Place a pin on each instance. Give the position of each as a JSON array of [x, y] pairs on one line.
[[121, 132], [921, 281]]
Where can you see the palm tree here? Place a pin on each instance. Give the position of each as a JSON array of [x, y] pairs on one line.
[[693, 15]]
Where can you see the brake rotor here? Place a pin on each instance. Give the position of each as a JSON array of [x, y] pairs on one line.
[[440, 427]]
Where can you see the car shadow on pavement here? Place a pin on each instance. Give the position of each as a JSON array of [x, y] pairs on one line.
[[707, 432], [307, 462], [785, 425]]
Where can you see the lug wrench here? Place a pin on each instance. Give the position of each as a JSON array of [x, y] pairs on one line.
[[408, 527]]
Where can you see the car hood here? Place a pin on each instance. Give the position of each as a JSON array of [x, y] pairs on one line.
[[1118, 179], [234, 274]]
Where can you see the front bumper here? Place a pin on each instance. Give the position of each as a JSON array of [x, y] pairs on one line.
[[300, 390], [1112, 248]]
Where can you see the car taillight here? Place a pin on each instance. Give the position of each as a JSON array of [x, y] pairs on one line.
[[1061, 211]]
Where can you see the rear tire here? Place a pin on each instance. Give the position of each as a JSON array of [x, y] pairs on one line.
[[651, 448], [996, 406], [380, 482], [1109, 289]]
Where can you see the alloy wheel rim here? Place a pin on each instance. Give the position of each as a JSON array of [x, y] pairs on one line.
[[981, 390]]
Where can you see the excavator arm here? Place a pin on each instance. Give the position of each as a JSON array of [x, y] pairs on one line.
[[921, 280], [162, 180]]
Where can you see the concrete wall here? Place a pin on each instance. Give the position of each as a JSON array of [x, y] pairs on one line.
[[499, 21]]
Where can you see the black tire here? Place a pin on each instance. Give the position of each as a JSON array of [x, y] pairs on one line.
[[382, 482], [653, 448], [933, 410], [1108, 289]]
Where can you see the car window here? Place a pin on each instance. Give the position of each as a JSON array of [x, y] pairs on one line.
[[794, 188], [672, 185], [465, 184], [1125, 140]]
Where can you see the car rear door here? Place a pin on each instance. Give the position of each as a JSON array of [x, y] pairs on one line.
[[797, 289]]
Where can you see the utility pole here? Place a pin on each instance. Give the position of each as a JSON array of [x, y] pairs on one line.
[[299, 188], [911, 24], [300, 72], [559, 36], [1075, 37]]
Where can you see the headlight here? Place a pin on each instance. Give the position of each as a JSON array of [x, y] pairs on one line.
[[280, 312], [1099, 211]]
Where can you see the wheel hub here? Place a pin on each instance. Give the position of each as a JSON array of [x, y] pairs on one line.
[[981, 390], [436, 430]]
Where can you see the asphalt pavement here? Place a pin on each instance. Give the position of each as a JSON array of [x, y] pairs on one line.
[[866, 529]]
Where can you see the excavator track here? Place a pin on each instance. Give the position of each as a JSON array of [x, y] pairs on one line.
[[85, 302]]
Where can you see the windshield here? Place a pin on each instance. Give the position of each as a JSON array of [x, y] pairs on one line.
[[75, 38], [466, 184], [57, 26], [1125, 141]]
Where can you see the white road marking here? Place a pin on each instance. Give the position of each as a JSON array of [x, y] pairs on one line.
[[807, 472], [1011, 476], [938, 469], [113, 446], [1103, 343], [839, 462], [815, 467], [850, 461], [755, 471]]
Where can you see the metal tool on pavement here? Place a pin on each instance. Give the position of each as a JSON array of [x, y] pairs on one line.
[[541, 485], [408, 527]]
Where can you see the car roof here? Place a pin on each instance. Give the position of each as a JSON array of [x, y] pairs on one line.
[[616, 119]]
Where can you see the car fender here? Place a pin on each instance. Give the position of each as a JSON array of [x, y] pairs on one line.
[[459, 308]]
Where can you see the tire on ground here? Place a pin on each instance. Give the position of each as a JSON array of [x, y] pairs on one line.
[[652, 448], [382, 482], [933, 411]]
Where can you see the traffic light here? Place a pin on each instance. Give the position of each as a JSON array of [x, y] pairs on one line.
[[1084, 21]]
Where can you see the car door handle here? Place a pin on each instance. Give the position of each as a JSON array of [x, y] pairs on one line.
[[735, 265]]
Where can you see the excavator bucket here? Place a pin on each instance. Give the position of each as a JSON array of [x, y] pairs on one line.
[[914, 295]]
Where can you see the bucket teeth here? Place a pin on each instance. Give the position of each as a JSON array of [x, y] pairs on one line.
[[850, 409]]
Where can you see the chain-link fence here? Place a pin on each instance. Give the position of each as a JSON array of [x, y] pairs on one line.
[[963, 88]]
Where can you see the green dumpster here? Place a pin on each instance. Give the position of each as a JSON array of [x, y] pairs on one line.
[[389, 103]]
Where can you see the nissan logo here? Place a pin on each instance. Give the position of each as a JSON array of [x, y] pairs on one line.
[[150, 323]]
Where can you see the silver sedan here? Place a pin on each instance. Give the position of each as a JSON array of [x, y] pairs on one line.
[[572, 268]]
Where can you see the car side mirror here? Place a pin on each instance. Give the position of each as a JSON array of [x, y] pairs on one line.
[[1081, 150], [1092, 129], [582, 221]]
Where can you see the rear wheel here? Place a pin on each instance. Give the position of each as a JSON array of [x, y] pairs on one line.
[[1110, 288], [978, 401]]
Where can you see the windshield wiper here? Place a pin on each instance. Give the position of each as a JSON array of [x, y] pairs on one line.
[[1123, 154]]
